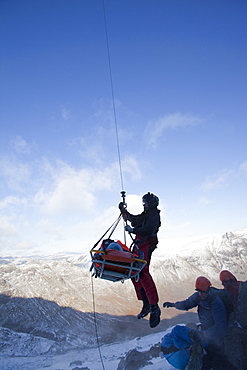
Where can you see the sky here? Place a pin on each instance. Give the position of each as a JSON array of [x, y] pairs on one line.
[[103, 96]]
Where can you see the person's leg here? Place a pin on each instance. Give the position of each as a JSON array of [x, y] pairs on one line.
[[146, 291], [146, 306], [146, 281], [207, 362], [217, 359]]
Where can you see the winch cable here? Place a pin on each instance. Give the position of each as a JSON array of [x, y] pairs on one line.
[[113, 95], [95, 325], [119, 163]]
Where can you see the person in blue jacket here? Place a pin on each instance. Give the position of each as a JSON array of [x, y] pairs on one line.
[[213, 319]]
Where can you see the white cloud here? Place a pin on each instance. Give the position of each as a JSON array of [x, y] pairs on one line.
[[219, 180], [25, 245], [156, 128], [134, 203], [132, 166], [243, 168], [12, 201], [48, 228], [20, 145], [75, 190], [7, 229], [94, 152], [65, 114], [203, 201], [62, 204], [174, 228], [224, 177], [14, 172]]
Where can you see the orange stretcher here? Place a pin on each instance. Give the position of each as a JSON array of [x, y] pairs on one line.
[[115, 262]]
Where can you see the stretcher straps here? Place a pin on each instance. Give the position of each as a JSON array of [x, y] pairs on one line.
[[114, 225]]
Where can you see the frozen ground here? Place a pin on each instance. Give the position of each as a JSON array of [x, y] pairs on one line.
[[110, 354]]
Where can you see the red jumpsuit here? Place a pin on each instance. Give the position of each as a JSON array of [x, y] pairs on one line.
[[146, 226]]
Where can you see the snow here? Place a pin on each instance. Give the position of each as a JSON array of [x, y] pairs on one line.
[[90, 358], [51, 304]]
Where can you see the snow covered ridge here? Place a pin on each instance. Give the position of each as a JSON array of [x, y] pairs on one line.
[[66, 280], [46, 303], [210, 254]]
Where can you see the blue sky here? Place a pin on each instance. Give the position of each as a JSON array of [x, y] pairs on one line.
[[179, 82]]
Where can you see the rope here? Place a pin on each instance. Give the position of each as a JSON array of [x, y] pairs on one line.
[[113, 97], [114, 225], [120, 171], [95, 324]]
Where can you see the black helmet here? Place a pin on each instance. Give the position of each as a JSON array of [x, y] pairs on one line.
[[151, 199]]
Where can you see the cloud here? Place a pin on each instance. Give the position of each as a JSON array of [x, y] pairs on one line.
[[182, 225], [15, 173], [217, 181], [102, 136], [11, 201], [131, 166], [224, 177], [134, 203], [47, 228], [243, 168], [75, 190], [203, 201], [65, 114], [95, 152], [7, 229], [20, 145], [156, 128], [62, 202]]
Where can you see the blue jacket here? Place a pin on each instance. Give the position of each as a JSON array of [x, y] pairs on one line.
[[212, 315]]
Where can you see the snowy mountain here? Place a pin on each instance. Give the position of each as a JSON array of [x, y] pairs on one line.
[[47, 304]]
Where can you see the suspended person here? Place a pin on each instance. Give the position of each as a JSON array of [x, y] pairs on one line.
[[145, 226], [213, 318], [236, 339]]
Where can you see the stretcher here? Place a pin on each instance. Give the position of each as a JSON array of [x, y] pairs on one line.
[[114, 261]]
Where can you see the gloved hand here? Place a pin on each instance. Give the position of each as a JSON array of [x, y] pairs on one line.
[[198, 336], [128, 228], [122, 206], [168, 304]]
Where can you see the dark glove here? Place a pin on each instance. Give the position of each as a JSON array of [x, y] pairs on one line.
[[197, 336], [168, 304], [123, 207], [128, 228]]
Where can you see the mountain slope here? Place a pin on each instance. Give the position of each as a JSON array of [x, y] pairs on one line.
[[47, 303]]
